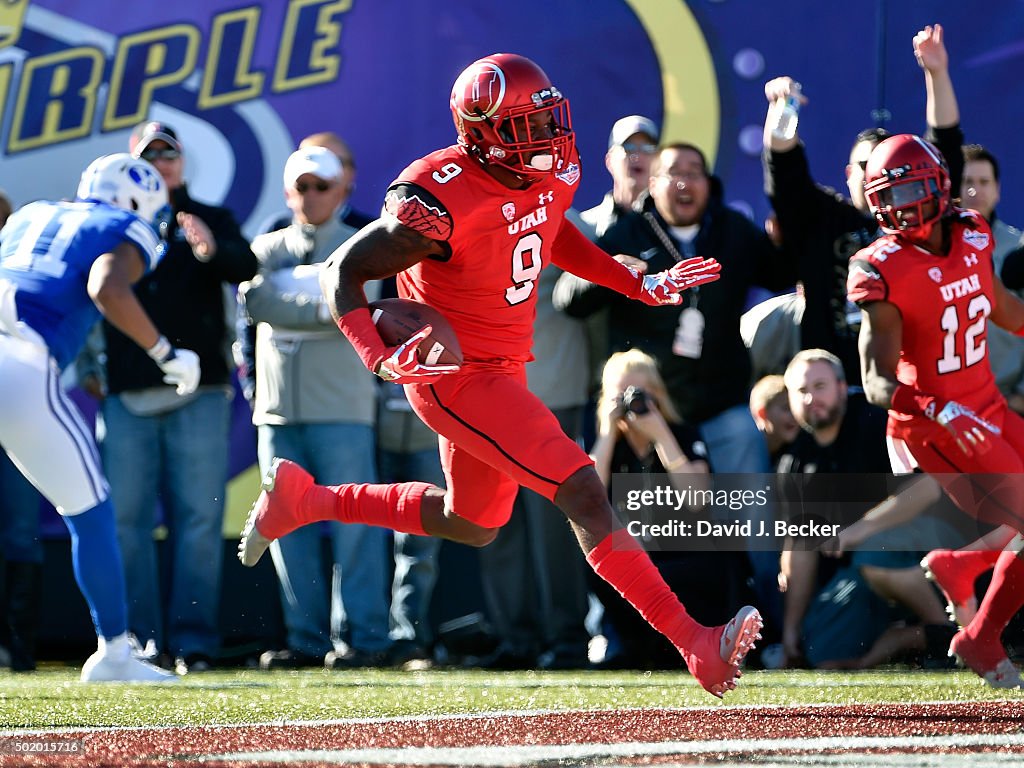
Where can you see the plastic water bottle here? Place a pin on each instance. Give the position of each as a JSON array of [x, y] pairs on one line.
[[789, 115]]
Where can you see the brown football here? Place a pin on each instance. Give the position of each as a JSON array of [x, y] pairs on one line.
[[398, 319]]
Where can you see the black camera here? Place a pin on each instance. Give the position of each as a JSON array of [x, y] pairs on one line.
[[634, 400]]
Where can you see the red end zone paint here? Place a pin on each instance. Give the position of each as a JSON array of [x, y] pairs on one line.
[[909, 722]]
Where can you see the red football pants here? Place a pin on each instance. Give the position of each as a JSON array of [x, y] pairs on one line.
[[495, 435]]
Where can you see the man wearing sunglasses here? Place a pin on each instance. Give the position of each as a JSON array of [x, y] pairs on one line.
[[315, 404], [162, 445], [632, 145]]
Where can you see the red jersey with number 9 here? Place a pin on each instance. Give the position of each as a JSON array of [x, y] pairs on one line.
[[945, 302], [499, 240]]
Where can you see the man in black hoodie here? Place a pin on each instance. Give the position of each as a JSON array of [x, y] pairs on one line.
[[697, 344], [159, 445]]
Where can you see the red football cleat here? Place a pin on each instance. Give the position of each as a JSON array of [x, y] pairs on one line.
[[715, 659], [946, 568], [988, 661], [274, 513]]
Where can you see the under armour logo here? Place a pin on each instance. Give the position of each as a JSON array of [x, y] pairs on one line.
[[972, 260], [545, 197]]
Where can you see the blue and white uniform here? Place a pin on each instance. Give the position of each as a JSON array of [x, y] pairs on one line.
[[47, 252]]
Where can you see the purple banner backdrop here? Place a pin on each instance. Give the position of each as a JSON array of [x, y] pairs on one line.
[[242, 83]]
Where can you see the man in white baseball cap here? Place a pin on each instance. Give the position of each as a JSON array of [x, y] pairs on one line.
[[315, 404]]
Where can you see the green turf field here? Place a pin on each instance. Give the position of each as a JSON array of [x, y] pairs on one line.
[[53, 697]]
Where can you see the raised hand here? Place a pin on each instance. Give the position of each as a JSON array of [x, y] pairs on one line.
[[929, 49]]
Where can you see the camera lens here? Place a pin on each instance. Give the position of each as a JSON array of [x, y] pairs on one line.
[[634, 400]]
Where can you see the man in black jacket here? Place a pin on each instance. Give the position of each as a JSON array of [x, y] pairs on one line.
[[159, 445], [697, 344]]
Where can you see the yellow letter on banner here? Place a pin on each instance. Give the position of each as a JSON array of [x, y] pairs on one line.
[[246, 84], [320, 65], [56, 98], [155, 45]]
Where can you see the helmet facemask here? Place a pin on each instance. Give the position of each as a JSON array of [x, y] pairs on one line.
[[508, 114], [908, 187]]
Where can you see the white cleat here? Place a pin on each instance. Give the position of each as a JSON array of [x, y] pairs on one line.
[[104, 667]]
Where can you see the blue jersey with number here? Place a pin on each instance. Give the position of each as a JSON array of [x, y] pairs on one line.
[[47, 252]]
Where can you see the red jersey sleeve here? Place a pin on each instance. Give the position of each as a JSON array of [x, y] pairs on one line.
[[865, 282], [574, 253]]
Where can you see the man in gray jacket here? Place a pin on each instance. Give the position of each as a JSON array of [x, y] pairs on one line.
[[315, 404]]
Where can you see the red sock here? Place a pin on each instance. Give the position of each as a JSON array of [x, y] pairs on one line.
[[629, 569], [1003, 598], [395, 506]]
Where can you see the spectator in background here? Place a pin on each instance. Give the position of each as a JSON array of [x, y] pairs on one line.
[[769, 405], [640, 432], [771, 331], [109, 240], [346, 213], [22, 552], [243, 347], [160, 445], [819, 229], [407, 452], [632, 145], [837, 611], [979, 190], [697, 344], [22, 580], [315, 404], [533, 573]]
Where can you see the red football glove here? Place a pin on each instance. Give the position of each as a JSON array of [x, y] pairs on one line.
[[665, 287], [968, 429], [398, 364], [402, 365]]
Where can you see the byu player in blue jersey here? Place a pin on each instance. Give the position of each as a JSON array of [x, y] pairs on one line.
[[61, 265]]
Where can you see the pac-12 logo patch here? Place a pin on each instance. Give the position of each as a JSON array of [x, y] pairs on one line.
[[935, 274], [508, 210]]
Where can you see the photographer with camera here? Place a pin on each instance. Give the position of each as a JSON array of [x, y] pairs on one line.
[[638, 427], [639, 432]]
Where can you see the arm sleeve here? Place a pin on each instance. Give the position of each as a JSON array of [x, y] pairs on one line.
[[280, 294], [949, 141], [234, 259], [574, 253], [1012, 273]]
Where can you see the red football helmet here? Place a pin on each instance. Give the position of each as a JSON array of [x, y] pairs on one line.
[[492, 103], [906, 183]]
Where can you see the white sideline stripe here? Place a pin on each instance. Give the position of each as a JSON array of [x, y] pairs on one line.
[[505, 756]]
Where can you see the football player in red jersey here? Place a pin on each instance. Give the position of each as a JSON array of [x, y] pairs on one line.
[[926, 290], [467, 229]]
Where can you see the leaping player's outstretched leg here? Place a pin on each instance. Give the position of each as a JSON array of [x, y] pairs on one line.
[[290, 499]]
